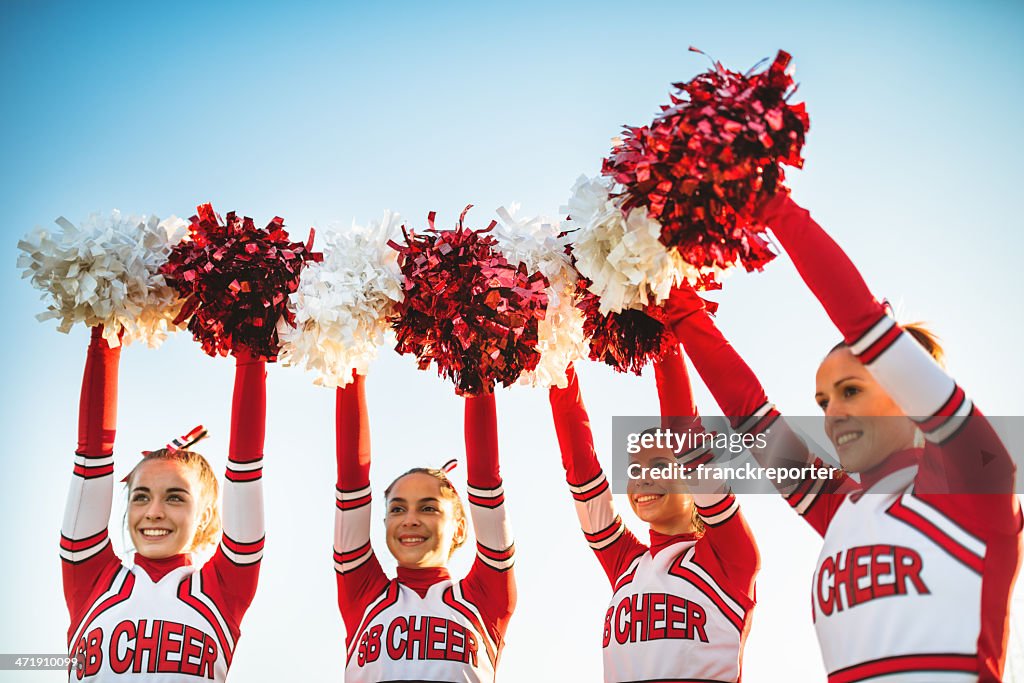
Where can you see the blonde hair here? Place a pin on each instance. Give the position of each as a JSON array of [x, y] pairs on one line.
[[208, 496], [924, 336], [697, 521], [927, 339], [448, 492]]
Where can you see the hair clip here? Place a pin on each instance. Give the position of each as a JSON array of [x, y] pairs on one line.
[[182, 442], [887, 307]]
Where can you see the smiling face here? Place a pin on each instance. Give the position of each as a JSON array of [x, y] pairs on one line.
[[861, 419], [660, 502], [164, 508], [421, 522]]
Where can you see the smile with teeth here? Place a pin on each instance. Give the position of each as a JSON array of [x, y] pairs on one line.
[[847, 437], [647, 498], [411, 540], [155, 533]]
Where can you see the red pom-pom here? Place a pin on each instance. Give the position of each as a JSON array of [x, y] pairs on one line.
[[466, 308], [706, 162], [236, 279], [627, 340]]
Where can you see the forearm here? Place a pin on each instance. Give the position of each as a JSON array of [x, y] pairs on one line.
[[243, 488], [84, 545], [734, 385], [352, 492], [824, 267], [484, 484]]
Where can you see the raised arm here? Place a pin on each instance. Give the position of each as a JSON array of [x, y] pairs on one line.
[[490, 584], [615, 545], [964, 453], [85, 550], [740, 396], [727, 547], [234, 569], [358, 572]]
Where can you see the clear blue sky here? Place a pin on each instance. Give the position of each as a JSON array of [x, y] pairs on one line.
[[326, 111]]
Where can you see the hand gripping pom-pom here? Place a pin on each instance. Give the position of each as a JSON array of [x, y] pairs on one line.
[[342, 305], [106, 271], [710, 158], [466, 308], [236, 279], [560, 337]]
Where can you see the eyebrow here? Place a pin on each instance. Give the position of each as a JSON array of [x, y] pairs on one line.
[[837, 383], [172, 490], [421, 500]]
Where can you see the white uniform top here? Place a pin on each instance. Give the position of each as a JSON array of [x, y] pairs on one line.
[[153, 631], [666, 608], [887, 547], [437, 637]]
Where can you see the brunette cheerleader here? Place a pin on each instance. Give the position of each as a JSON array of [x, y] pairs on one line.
[[422, 625]]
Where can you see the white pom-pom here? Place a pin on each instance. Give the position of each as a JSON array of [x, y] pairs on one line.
[[560, 337], [620, 251], [342, 303], [106, 272]]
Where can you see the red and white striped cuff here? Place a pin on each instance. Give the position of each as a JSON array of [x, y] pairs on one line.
[[243, 471]]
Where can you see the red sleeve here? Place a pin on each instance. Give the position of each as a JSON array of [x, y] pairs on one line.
[[727, 549], [678, 409], [84, 543], [490, 584], [739, 394], [964, 454], [359, 575], [233, 571], [675, 394], [615, 545]]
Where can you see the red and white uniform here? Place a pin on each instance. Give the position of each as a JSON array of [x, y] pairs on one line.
[[158, 620], [913, 584], [421, 625], [681, 607]]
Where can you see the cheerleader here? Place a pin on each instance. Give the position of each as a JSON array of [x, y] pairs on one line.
[[680, 607], [422, 625], [154, 616], [914, 580]]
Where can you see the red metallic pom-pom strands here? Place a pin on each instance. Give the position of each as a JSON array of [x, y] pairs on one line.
[[466, 308], [236, 279], [627, 340], [710, 158]]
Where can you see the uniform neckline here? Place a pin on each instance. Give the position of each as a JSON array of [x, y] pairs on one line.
[[159, 568], [420, 579], [660, 541], [894, 462]]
